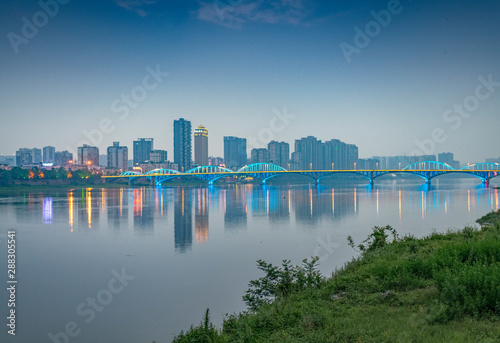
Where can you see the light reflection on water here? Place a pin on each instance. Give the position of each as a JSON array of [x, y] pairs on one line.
[[196, 247]]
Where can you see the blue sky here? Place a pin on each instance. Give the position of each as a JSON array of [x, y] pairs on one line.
[[234, 64]]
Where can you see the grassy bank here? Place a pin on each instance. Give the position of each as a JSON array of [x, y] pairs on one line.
[[441, 288]]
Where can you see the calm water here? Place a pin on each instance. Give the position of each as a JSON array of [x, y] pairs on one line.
[[188, 249]]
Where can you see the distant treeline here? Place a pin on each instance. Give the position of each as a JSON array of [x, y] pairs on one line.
[[8, 177]]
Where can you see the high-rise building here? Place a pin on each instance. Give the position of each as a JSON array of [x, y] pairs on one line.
[[182, 144], [279, 153], [201, 146], [352, 156], [296, 161], [24, 156], [334, 154], [37, 155], [88, 155], [118, 156], [158, 156], [235, 152], [448, 158], [259, 155], [49, 154], [310, 149], [63, 158], [142, 150]]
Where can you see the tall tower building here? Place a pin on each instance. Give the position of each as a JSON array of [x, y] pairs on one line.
[[142, 150], [260, 155], [235, 152], [49, 154], [279, 153], [88, 155], [24, 156], [310, 150], [182, 144], [118, 156], [201, 146]]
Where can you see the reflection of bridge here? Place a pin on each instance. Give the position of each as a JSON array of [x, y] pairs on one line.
[[266, 171]]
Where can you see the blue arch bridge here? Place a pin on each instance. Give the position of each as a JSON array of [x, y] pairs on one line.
[[265, 171]]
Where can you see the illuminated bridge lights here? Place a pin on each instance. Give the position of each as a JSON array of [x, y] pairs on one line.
[[265, 171]]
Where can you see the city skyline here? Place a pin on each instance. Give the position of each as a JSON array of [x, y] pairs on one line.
[[270, 147], [393, 76]]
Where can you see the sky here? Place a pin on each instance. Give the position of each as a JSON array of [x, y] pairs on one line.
[[393, 77]]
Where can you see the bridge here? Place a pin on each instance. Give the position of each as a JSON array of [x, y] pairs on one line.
[[427, 170]]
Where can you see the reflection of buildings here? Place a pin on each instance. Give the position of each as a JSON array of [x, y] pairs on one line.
[[87, 207], [117, 208], [235, 207], [273, 202], [201, 215], [143, 213], [183, 237], [30, 210], [47, 210], [278, 203], [313, 203]]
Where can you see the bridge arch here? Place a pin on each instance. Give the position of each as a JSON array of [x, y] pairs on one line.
[[130, 173], [208, 169], [156, 172], [402, 171], [259, 167], [482, 166], [288, 173], [434, 165], [347, 172]]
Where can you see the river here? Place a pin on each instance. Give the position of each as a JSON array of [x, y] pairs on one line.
[[140, 264]]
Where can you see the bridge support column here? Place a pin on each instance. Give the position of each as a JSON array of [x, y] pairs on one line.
[[372, 182], [428, 181]]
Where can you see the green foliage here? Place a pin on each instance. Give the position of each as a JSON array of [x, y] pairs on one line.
[[281, 282], [376, 240], [489, 219], [204, 333], [446, 289]]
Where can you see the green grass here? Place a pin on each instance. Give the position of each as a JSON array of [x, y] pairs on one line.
[[444, 288]]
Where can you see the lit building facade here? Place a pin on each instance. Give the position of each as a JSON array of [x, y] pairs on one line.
[[88, 155], [142, 150], [201, 146]]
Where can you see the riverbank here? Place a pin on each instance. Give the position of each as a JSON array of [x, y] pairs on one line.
[[441, 288]]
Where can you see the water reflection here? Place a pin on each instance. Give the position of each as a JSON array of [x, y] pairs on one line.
[[201, 215], [143, 209], [183, 224]]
